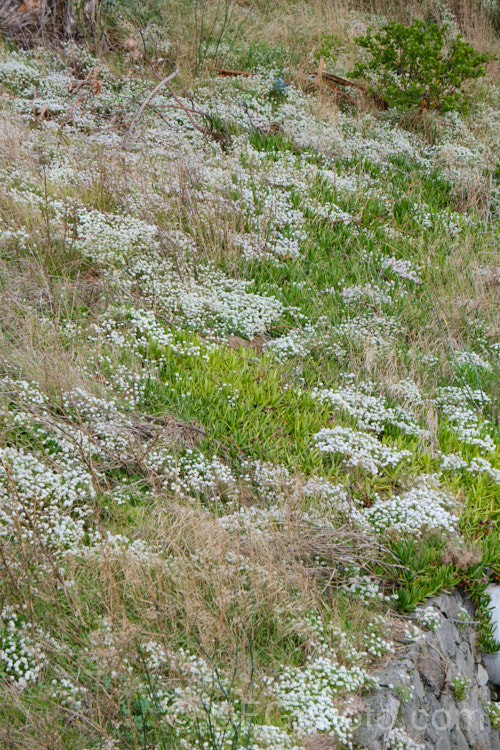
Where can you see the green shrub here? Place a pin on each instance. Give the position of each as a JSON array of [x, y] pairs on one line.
[[413, 67]]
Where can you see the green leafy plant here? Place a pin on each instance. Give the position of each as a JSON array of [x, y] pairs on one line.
[[459, 687], [404, 693], [419, 572], [477, 579], [493, 711], [415, 68]]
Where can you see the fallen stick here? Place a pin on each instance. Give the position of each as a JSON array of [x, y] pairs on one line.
[[191, 112], [342, 81], [331, 80], [145, 103], [339, 91], [226, 72], [89, 80]]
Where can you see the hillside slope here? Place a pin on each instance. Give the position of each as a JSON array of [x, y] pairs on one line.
[[249, 387]]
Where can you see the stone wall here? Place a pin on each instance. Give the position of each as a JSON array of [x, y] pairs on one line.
[[420, 703]]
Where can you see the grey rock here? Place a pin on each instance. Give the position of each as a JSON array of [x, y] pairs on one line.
[[447, 636], [418, 687], [381, 713], [443, 742], [450, 717], [492, 664], [482, 742], [484, 695], [458, 741], [463, 666], [481, 675], [431, 714], [432, 670], [471, 724]]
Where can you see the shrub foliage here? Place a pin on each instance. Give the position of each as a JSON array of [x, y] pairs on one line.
[[414, 67]]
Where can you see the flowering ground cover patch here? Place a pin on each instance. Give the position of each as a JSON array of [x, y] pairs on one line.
[[249, 387]]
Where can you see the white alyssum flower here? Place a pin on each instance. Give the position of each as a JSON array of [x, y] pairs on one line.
[[372, 293], [398, 739], [462, 408], [404, 269], [424, 507], [308, 694], [200, 296], [69, 695], [429, 616], [371, 412], [358, 449], [472, 359], [192, 474], [22, 659]]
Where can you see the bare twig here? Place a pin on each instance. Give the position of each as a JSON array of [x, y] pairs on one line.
[[227, 73], [333, 82], [338, 91], [191, 112], [145, 103]]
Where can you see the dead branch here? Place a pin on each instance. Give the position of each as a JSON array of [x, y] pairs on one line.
[[145, 103], [91, 79], [334, 82], [191, 112], [338, 91], [227, 73]]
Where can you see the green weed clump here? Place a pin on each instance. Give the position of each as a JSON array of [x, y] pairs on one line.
[[415, 68]]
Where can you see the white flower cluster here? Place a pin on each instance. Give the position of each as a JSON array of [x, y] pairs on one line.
[[493, 709], [478, 465], [359, 449], [69, 695], [47, 499], [202, 296], [367, 590], [271, 480], [424, 507], [296, 343], [258, 521], [429, 616], [129, 384], [402, 268], [371, 412], [413, 633], [192, 474], [21, 659], [376, 331], [308, 693], [106, 545], [462, 409], [320, 636], [138, 330], [19, 74], [472, 359], [42, 503], [375, 638], [408, 390], [373, 293], [101, 426], [268, 737], [398, 739]]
